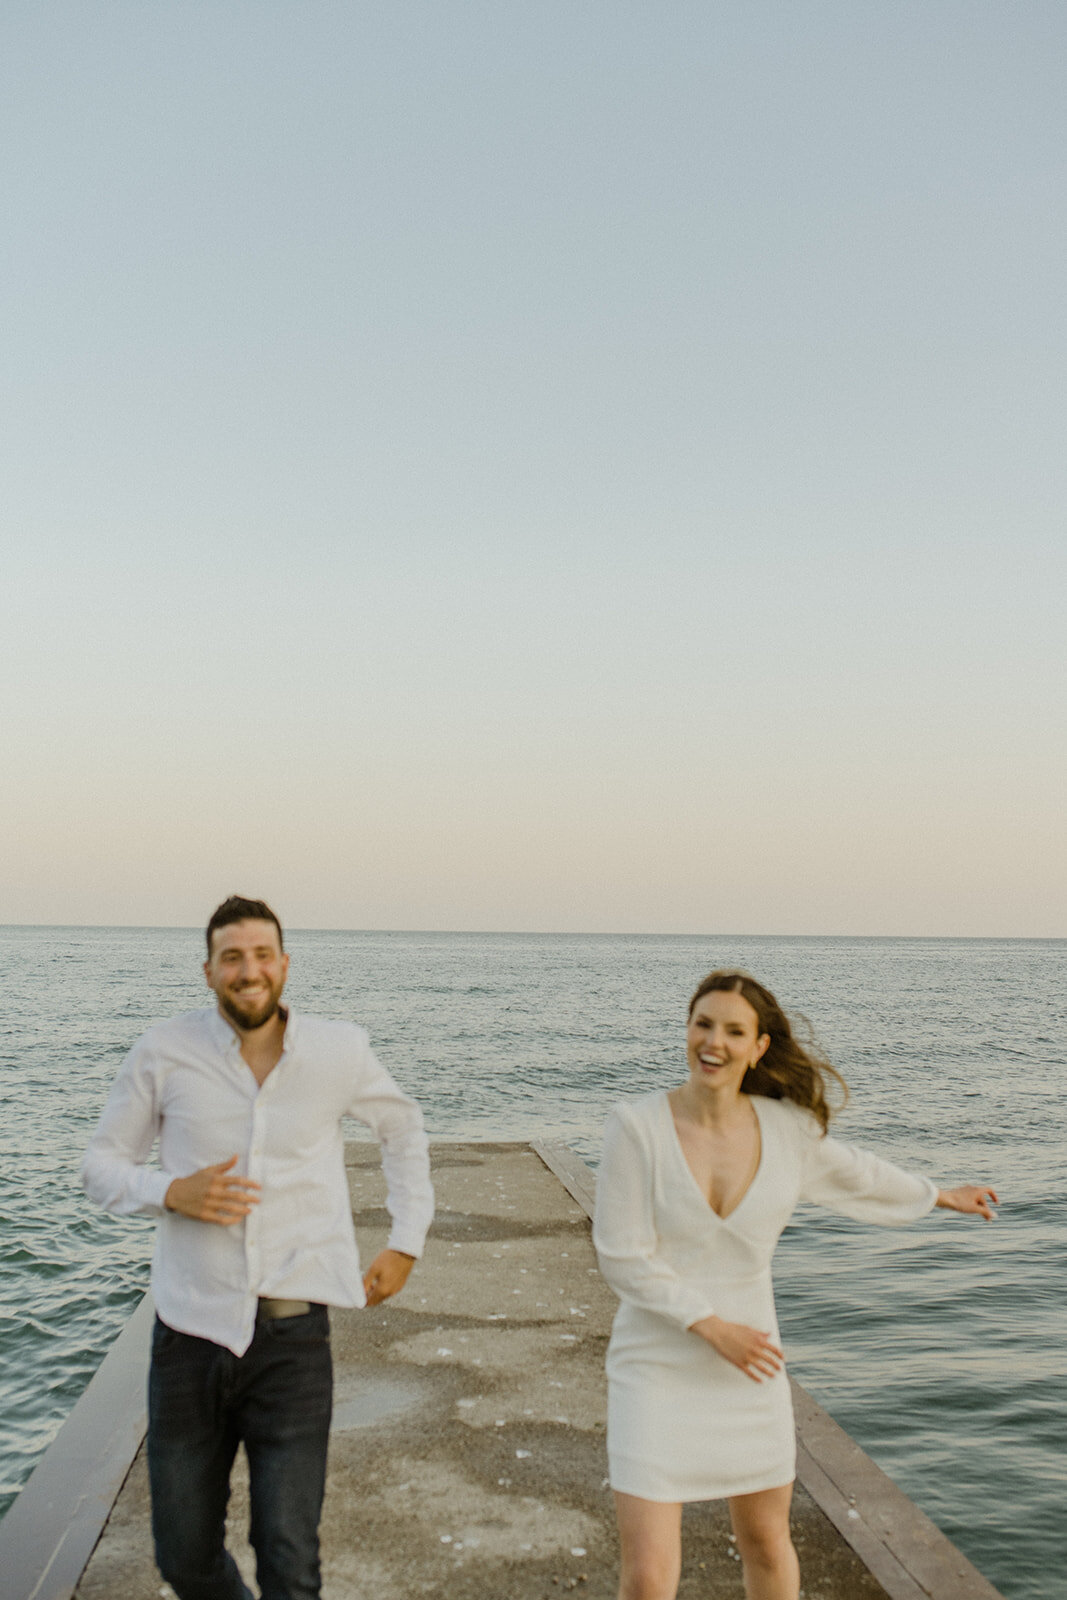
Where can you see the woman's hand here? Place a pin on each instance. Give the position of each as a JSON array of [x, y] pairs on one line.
[[746, 1348], [972, 1199]]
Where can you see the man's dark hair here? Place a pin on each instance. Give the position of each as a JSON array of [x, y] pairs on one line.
[[238, 909]]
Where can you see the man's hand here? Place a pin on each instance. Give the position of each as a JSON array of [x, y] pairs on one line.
[[210, 1195], [386, 1276]]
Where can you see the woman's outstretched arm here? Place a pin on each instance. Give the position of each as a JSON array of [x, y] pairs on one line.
[[870, 1189]]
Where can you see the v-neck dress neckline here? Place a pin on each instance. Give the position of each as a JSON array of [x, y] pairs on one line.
[[698, 1191]]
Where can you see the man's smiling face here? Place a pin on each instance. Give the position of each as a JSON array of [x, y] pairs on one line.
[[247, 969]]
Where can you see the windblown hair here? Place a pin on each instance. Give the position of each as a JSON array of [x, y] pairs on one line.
[[788, 1069], [238, 909]]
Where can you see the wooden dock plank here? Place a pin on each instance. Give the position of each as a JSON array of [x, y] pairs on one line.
[[50, 1531]]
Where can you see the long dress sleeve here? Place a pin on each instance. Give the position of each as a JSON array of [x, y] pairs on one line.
[[861, 1185], [624, 1232]]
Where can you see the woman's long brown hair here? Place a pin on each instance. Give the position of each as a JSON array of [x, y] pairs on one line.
[[788, 1069]]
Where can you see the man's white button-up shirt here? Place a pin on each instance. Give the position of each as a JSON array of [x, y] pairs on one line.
[[186, 1084]]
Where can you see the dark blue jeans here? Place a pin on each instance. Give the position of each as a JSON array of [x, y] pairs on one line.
[[202, 1402]]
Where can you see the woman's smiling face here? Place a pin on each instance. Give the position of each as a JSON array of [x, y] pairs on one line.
[[723, 1039]]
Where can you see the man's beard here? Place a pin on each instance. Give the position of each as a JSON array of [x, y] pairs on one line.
[[249, 1017]]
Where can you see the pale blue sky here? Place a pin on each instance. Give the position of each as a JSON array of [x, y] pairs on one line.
[[535, 466]]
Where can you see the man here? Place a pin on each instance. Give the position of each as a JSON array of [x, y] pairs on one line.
[[255, 1239]]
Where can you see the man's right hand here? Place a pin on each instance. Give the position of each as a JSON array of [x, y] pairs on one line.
[[210, 1195]]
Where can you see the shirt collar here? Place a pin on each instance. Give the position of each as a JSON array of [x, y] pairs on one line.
[[227, 1040], [221, 1033]]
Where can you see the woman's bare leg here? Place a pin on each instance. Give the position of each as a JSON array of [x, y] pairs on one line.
[[761, 1525], [650, 1536]]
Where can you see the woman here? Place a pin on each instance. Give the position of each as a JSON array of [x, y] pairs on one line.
[[695, 1186]]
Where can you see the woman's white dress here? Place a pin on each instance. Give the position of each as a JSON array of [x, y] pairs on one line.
[[684, 1423]]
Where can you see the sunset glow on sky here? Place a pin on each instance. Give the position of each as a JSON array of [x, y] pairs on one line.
[[535, 467]]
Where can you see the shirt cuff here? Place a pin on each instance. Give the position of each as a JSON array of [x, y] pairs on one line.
[[408, 1244], [152, 1187]]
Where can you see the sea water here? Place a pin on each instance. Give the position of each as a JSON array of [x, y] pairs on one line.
[[939, 1347]]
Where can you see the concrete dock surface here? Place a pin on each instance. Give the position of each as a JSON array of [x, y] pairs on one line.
[[468, 1455]]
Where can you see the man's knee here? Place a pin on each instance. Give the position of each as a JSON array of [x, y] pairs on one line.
[[189, 1524], [286, 1496]]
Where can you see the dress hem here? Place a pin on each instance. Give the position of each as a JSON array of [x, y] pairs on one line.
[[750, 1486]]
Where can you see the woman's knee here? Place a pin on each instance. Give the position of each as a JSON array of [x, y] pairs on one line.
[[650, 1569], [766, 1545], [761, 1527], [649, 1579], [650, 1535]]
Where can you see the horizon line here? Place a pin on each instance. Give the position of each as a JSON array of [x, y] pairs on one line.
[[553, 933]]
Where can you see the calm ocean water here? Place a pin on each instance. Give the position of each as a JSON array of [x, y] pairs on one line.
[[939, 1347]]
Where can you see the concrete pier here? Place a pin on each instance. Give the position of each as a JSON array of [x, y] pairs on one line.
[[468, 1453]]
